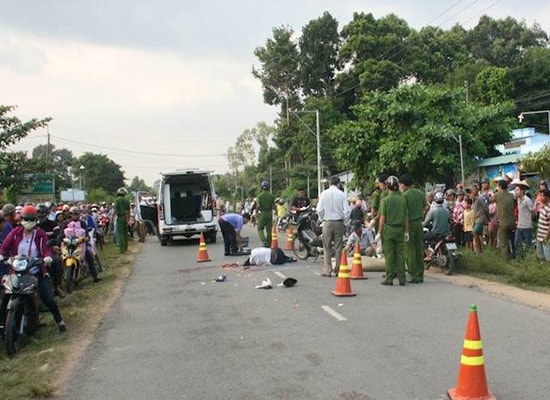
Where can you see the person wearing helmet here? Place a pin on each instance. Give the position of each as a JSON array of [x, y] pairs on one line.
[[52, 230], [121, 216], [437, 219], [414, 248], [266, 206], [30, 239], [333, 210], [8, 213], [394, 231], [79, 223], [301, 201]]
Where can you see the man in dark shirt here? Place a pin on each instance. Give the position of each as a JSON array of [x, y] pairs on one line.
[[301, 201]]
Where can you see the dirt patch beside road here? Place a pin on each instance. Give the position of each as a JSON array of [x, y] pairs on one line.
[[521, 296]]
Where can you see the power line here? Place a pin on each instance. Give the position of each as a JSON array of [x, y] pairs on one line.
[[137, 152]]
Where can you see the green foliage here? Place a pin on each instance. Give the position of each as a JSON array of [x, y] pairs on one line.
[[14, 164], [414, 129], [319, 55], [98, 195], [99, 172], [528, 272], [537, 162]]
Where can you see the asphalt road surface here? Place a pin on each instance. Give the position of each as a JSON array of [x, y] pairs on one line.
[[177, 334]]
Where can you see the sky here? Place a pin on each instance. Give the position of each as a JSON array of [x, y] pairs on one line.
[[166, 84]]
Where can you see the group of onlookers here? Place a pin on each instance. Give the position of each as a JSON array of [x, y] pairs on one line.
[[38, 231], [507, 217]]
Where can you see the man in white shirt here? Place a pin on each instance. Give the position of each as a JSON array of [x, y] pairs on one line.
[[524, 228], [266, 256], [333, 210]]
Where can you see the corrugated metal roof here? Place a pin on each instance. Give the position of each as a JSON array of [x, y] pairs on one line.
[[499, 160]]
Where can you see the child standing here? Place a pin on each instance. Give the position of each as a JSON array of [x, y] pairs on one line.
[[468, 224]]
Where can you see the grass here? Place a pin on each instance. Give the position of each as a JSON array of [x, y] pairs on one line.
[[527, 273], [35, 371]]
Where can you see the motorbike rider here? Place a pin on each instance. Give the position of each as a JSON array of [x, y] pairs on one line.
[[31, 240], [437, 220], [74, 213], [51, 228], [300, 202]]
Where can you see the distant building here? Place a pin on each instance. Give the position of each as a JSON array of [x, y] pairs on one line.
[[523, 141]]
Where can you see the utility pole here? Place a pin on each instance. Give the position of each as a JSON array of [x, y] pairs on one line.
[[47, 149]]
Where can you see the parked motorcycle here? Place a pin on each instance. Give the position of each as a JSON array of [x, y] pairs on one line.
[[307, 241], [22, 313], [441, 252]]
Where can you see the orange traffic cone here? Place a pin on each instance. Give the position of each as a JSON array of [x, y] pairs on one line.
[[357, 264], [203, 254], [343, 283], [274, 239], [289, 239], [471, 382]]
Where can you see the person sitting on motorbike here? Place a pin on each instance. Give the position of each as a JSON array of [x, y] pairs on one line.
[[79, 223], [361, 235], [437, 220], [51, 228], [29, 239], [300, 202]]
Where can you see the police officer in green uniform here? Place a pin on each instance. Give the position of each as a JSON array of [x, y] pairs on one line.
[[122, 213], [379, 193], [416, 204], [266, 204], [394, 231]]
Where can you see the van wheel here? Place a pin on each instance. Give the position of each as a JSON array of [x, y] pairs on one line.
[[163, 241]]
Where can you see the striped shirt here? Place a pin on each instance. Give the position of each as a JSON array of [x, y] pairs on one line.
[[544, 223]]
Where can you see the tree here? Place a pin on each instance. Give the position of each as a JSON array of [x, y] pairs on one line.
[[537, 162], [503, 42], [319, 45], [413, 129], [99, 172], [279, 71], [138, 184], [13, 164]]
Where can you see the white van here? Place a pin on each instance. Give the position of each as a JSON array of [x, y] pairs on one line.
[[186, 206]]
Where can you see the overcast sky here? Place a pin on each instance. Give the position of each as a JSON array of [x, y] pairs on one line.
[[164, 84]]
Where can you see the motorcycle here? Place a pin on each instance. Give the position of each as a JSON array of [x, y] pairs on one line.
[[307, 241], [23, 309], [72, 253], [441, 252]]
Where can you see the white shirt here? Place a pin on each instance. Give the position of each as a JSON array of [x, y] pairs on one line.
[[333, 205], [260, 256]]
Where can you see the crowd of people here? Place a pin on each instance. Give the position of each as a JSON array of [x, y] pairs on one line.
[[38, 230], [397, 219]]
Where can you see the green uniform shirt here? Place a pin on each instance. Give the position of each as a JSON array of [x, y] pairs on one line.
[[393, 207], [266, 201], [416, 202], [505, 208], [121, 206], [375, 201]]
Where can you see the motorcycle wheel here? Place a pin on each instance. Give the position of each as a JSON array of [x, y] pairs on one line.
[[444, 260], [14, 340], [299, 249], [450, 265], [69, 280]]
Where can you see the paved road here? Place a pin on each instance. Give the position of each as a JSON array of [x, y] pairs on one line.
[[177, 334]]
